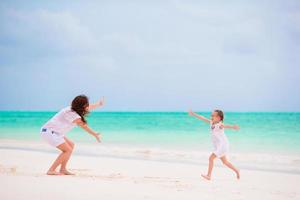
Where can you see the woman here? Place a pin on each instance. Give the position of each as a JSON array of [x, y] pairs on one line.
[[55, 130]]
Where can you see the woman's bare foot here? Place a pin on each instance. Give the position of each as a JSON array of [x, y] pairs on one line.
[[206, 177], [53, 173], [66, 172]]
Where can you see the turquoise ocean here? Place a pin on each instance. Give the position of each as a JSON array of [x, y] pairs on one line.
[[260, 132]]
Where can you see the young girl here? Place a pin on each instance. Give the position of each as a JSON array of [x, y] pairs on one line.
[[54, 131], [219, 140]]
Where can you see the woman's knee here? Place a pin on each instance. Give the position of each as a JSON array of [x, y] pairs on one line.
[[72, 145], [65, 148], [68, 150]]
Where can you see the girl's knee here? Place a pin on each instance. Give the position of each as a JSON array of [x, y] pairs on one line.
[[211, 158], [225, 162]]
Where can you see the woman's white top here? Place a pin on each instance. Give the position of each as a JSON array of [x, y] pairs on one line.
[[62, 122], [219, 140]]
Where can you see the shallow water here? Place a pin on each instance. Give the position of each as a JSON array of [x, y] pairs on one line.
[[260, 132]]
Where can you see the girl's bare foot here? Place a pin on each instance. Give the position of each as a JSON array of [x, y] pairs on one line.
[[206, 177], [238, 175], [53, 173], [66, 172]]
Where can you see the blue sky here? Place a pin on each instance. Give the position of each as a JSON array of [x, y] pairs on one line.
[[151, 55]]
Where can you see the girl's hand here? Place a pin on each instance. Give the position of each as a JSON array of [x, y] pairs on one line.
[[97, 136], [191, 113], [235, 127]]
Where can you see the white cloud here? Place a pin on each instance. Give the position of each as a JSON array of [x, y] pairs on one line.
[[294, 19], [55, 29], [198, 50]]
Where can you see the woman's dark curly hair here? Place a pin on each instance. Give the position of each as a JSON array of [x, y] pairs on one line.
[[79, 105]]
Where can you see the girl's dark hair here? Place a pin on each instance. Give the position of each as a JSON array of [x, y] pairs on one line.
[[220, 114], [79, 105]]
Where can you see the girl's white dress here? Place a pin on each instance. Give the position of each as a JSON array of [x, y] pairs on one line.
[[219, 140]]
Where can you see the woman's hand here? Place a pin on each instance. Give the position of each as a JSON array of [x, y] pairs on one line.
[[98, 136], [100, 102]]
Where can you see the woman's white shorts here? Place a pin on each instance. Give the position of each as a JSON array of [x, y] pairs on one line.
[[52, 138]]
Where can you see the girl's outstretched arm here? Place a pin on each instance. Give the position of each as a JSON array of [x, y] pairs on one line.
[[234, 127], [99, 103], [84, 126], [191, 113]]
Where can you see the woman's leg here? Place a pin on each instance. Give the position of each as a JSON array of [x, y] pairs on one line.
[[66, 153], [228, 164], [210, 166], [63, 168]]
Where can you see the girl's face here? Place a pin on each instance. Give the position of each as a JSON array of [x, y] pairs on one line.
[[215, 118]]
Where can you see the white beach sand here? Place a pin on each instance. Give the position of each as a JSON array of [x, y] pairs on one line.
[[115, 176]]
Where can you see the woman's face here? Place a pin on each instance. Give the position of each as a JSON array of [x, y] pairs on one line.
[[86, 107], [215, 118]]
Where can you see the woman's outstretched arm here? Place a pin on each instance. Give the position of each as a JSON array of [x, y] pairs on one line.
[[191, 113], [98, 104], [85, 127]]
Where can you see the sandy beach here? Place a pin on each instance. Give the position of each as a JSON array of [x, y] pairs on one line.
[[140, 176], [147, 91]]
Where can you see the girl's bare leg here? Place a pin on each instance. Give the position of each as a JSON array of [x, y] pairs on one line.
[[210, 166], [66, 153], [63, 168], [228, 164]]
